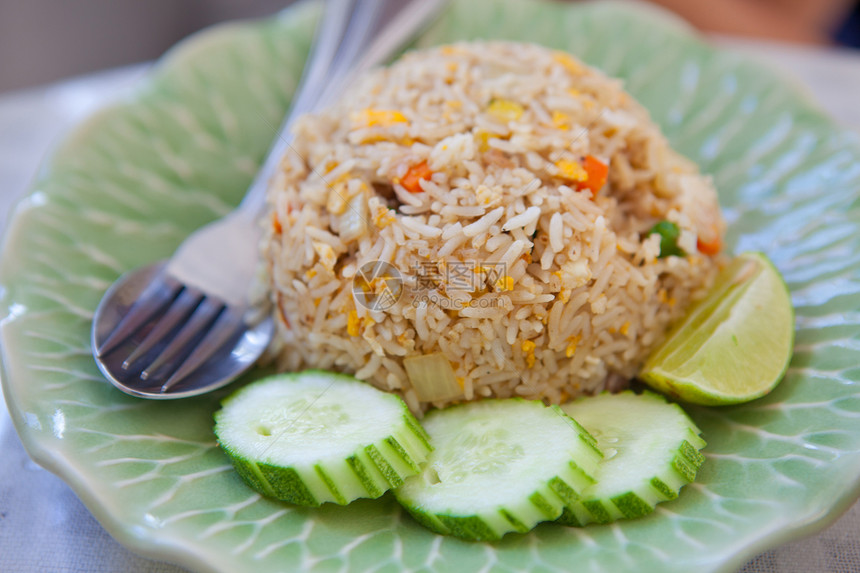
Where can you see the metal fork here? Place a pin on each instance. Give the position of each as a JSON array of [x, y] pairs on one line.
[[190, 325]]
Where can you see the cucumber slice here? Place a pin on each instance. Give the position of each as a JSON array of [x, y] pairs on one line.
[[499, 466], [315, 437], [651, 450]]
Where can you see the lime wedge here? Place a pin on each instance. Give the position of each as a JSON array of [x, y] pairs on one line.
[[734, 345]]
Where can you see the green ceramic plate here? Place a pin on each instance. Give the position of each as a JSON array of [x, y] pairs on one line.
[[129, 184]]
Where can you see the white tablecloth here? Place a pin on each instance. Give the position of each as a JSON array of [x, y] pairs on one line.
[[45, 528]]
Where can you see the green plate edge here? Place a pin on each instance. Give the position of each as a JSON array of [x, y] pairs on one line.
[[798, 444]]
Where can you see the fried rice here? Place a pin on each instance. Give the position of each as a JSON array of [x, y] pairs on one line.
[[512, 193]]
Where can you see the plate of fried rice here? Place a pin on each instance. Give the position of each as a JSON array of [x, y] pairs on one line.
[[483, 209]]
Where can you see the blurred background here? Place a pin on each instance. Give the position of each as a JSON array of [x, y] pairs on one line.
[[46, 40]]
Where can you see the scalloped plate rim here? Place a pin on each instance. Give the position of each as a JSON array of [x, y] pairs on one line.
[[147, 542], [149, 545]]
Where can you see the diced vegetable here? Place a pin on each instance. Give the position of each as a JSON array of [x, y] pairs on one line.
[[590, 174], [528, 348], [353, 322], [505, 110], [382, 117], [571, 170], [483, 140], [412, 180], [504, 283], [712, 247], [560, 119], [432, 377], [669, 233], [597, 173]]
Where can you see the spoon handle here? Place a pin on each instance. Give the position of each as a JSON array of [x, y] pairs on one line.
[[352, 36]]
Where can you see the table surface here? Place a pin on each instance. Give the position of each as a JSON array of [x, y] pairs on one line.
[[38, 510]]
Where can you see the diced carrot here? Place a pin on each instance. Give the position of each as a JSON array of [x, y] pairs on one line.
[[412, 180], [597, 174], [276, 224], [711, 247]]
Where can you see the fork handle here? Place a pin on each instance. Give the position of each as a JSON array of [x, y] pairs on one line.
[[352, 36]]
